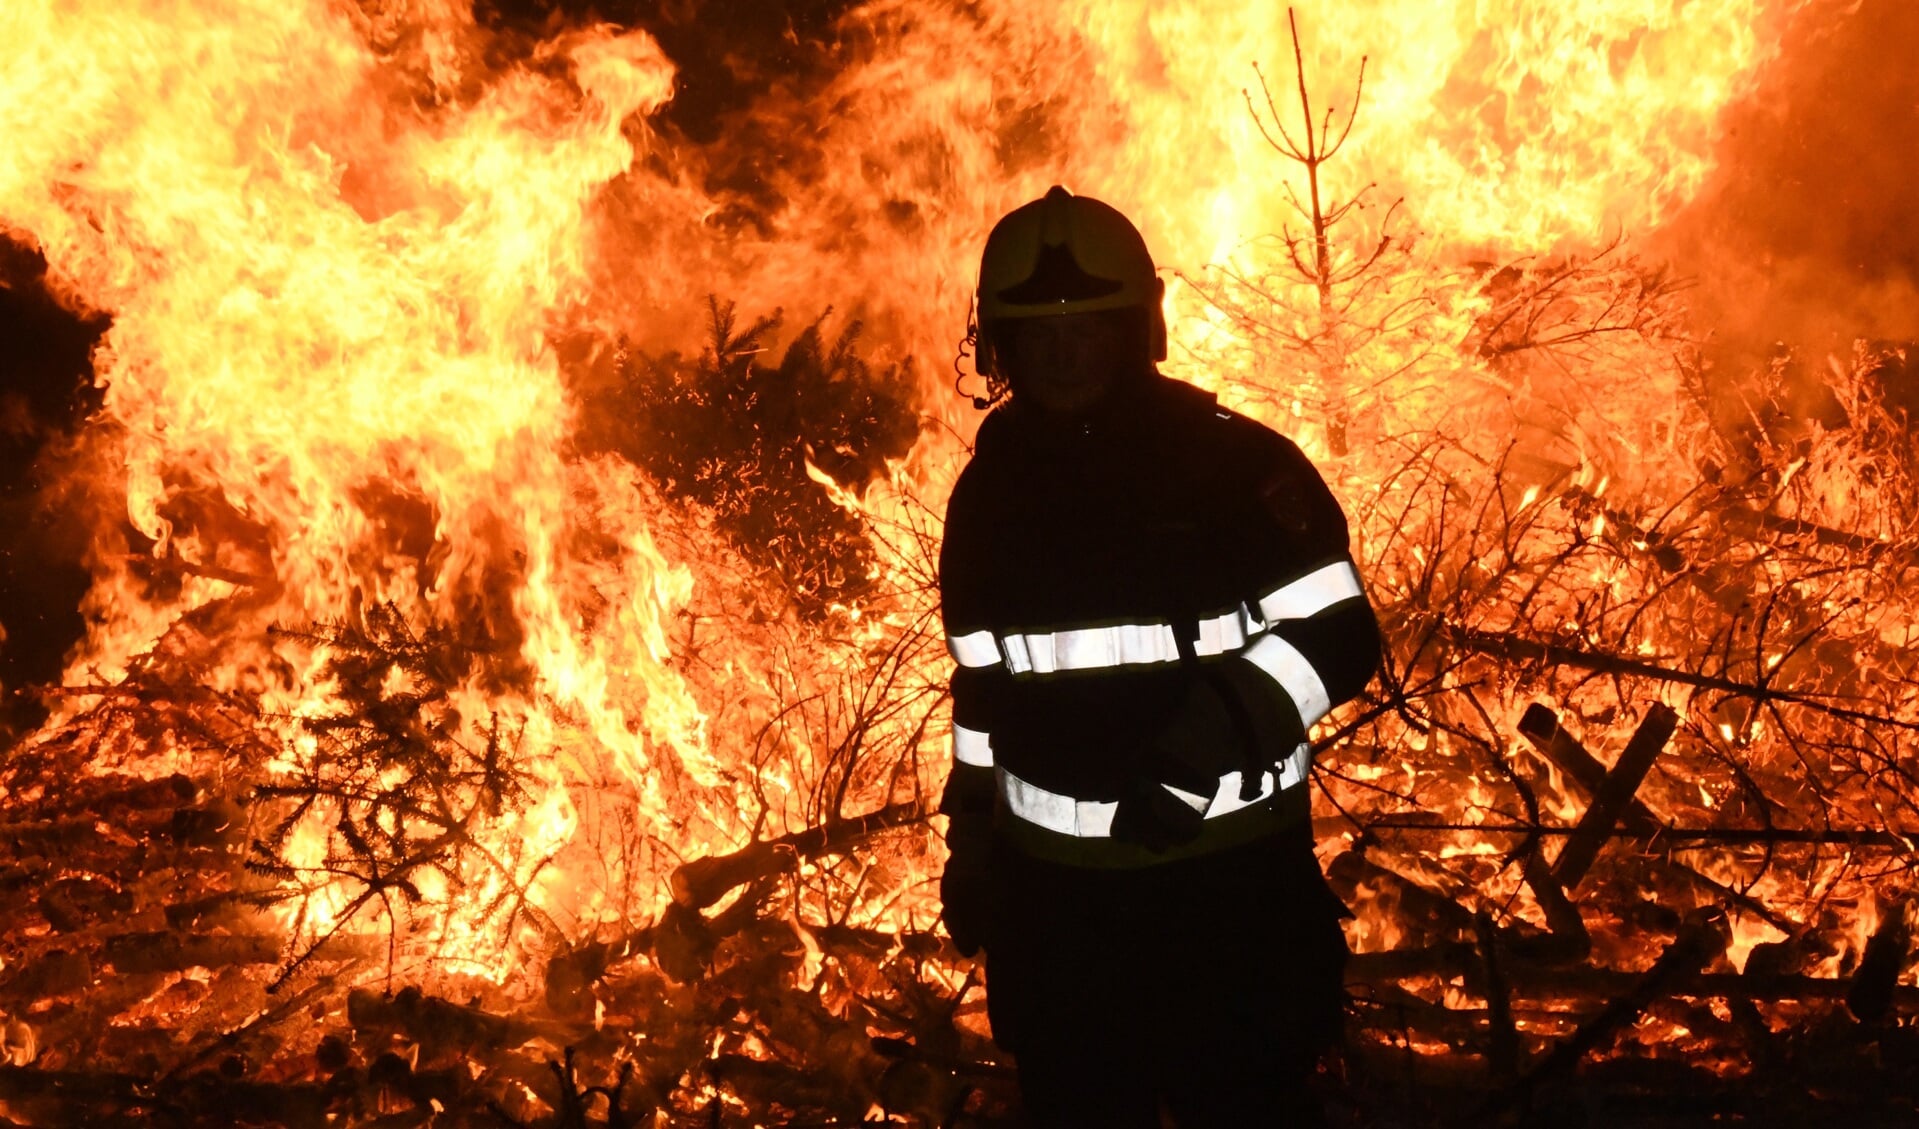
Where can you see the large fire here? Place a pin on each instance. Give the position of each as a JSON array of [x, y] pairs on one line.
[[509, 593]]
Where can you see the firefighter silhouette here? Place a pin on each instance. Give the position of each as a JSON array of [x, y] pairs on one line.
[[1150, 600]]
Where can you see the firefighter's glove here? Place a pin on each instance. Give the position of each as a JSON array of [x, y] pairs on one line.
[[969, 899], [1165, 805], [1157, 817]]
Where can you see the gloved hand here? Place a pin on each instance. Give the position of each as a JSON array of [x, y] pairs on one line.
[[968, 896], [1153, 816], [1165, 805]]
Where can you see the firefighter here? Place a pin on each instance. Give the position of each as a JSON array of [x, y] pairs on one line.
[[1150, 600]]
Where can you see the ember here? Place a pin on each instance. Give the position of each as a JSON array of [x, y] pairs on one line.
[[471, 483]]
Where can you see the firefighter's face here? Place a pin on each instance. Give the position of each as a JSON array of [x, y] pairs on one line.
[[1068, 364]]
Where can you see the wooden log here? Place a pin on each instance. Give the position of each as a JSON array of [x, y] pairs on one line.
[[1614, 794], [760, 1084], [98, 1098], [138, 792], [80, 1095], [1704, 837], [1792, 955], [1569, 940], [178, 565], [1752, 522], [77, 837], [69, 836], [294, 1105], [54, 973], [61, 903], [1541, 729], [226, 909], [571, 974], [1388, 966], [684, 941], [701, 882]]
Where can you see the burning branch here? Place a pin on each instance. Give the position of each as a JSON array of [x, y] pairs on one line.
[[1356, 302], [1568, 311], [1320, 147], [392, 792]]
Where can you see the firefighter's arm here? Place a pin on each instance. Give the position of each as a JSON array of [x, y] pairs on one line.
[[1321, 643], [966, 885], [970, 783], [978, 671], [967, 801]]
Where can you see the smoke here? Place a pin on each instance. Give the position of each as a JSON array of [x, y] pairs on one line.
[[1806, 233]]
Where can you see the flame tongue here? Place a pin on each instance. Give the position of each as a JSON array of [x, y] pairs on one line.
[[271, 342], [331, 297]]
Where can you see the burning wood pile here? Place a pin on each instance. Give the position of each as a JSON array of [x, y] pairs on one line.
[[1635, 789], [505, 688]]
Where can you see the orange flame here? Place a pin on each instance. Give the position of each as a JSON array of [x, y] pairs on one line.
[[338, 243]]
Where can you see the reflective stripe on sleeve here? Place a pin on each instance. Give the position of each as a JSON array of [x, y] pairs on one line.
[[975, 648], [1283, 663], [1312, 593], [1093, 819], [1296, 767], [971, 746], [1126, 644]]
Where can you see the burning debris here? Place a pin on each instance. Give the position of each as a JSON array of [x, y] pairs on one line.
[[503, 695]]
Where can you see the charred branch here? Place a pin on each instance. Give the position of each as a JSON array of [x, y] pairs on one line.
[[1533, 984], [1517, 648]]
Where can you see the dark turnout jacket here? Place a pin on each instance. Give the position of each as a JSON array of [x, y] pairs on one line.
[[1097, 573]]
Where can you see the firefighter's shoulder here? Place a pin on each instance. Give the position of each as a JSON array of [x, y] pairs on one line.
[[1252, 445], [979, 488]]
